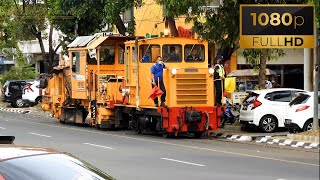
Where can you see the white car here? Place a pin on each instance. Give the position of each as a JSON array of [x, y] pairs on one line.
[[300, 114], [32, 94], [266, 108]]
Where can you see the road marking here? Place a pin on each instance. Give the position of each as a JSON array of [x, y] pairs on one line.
[[39, 134], [194, 164], [98, 146], [2, 128], [173, 144]]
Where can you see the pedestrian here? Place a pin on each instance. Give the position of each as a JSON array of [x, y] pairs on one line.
[[157, 80], [219, 76], [268, 84]]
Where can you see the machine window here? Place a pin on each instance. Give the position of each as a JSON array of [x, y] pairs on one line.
[[107, 55], [148, 53], [172, 53], [194, 53], [76, 62], [121, 54], [90, 59]]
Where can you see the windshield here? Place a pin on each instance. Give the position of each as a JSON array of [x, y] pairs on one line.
[[59, 166], [301, 99]]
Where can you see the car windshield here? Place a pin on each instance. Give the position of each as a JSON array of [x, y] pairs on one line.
[[301, 99], [49, 167]]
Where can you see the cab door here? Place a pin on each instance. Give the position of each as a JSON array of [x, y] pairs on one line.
[[78, 79]]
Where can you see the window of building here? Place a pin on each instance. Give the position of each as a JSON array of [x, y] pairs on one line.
[[172, 52], [147, 53], [121, 54], [194, 53], [76, 62], [107, 55]]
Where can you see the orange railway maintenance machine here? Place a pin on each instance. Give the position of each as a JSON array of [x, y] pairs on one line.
[[107, 78]]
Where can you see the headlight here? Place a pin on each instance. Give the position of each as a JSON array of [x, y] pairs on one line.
[[211, 71], [173, 71]]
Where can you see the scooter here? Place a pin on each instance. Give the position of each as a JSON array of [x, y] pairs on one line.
[[231, 114]]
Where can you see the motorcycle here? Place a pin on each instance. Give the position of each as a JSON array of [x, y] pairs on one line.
[[231, 114]]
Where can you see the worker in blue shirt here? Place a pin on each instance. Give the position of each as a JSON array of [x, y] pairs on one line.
[[146, 57], [157, 77]]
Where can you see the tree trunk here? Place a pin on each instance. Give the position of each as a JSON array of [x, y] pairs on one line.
[[263, 67], [120, 26], [173, 27], [51, 52], [43, 51]]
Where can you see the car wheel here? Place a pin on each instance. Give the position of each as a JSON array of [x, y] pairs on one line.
[[268, 124], [308, 125], [18, 102]]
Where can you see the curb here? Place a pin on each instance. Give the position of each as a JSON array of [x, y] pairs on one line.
[[14, 110], [303, 138], [288, 142], [232, 137], [268, 140]]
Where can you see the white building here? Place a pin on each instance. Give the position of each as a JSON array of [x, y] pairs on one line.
[[32, 51]]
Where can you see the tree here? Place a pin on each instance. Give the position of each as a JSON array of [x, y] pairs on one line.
[[225, 33], [27, 22], [21, 71], [174, 9], [114, 8]]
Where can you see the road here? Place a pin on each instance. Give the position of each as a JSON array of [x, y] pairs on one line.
[[126, 155]]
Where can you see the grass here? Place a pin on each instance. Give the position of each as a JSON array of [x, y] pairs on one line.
[[310, 133]]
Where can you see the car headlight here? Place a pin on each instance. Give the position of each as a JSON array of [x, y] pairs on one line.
[[173, 71], [211, 71]]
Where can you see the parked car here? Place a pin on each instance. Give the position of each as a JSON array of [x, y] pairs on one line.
[[12, 92], [38, 163], [266, 108], [300, 114], [32, 93]]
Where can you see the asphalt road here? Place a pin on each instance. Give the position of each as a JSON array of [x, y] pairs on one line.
[[126, 155]]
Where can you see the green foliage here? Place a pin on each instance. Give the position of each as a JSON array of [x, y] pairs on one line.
[[6, 32], [174, 8], [219, 23], [20, 71], [253, 56]]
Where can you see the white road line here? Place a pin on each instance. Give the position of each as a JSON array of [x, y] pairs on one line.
[[98, 146], [183, 162], [2, 128], [39, 134]]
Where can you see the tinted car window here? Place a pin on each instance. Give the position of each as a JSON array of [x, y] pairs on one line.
[[282, 96], [49, 167], [301, 99], [268, 96]]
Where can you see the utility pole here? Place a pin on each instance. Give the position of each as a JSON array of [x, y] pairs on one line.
[[316, 60]]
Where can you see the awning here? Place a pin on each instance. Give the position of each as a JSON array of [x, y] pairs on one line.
[[249, 72], [81, 41], [96, 42]]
